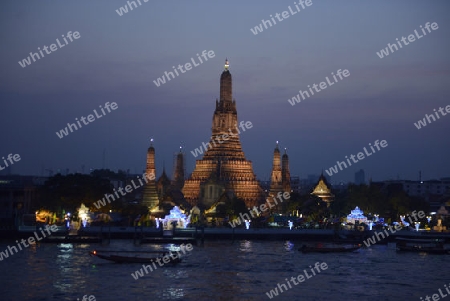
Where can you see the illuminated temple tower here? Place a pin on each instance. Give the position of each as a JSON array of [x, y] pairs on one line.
[[276, 183], [223, 168], [285, 173], [150, 194]]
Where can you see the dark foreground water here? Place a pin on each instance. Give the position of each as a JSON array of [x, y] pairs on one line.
[[221, 270]]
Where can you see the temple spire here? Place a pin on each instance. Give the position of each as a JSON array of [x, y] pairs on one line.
[[276, 176], [285, 173], [226, 91], [150, 195]]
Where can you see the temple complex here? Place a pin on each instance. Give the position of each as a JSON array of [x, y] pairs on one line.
[[223, 168]]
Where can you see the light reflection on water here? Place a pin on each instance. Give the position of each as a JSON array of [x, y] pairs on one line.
[[221, 270]]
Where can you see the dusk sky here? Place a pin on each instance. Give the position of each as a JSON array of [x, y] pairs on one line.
[[117, 58]]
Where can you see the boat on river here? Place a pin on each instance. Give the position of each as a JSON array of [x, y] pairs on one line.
[[329, 249], [137, 256], [428, 245]]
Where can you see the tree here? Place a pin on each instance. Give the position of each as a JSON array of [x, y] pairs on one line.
[[68, 192]]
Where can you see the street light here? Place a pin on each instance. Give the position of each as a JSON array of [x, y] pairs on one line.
[[417, 224], [247, 224]]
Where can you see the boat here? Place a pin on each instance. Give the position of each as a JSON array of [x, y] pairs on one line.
[[329, 249], [428, 245], [136, 256]]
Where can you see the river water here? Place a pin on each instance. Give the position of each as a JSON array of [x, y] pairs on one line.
[[221, 270]]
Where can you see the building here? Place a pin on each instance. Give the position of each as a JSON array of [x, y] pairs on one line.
[[295, 184], [323, 191], [18, 196], [360, 177], [423, 188], [223, 167]]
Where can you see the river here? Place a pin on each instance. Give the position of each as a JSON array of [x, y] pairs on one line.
[[221, 270]]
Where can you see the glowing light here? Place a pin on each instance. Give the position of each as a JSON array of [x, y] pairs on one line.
[[247, 224], [175, 216], [356, 215], [417, 224], [402, 218]]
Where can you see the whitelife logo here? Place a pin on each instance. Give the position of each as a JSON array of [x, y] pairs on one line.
[[263, 207], [124, 9], [162, 80], [225, 137], [411, 38], [300, 278], [378, 236], [360, 156], [322, 85], [27, 61], [30, 240], [165, 259], [86, 120], [423, 122], [11, 158], [110, 198], [284, 15]]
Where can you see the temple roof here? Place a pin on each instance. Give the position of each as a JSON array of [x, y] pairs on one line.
[[322, 188], [164, 179]]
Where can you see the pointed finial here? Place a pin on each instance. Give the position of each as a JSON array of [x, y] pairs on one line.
[[226, 64], [151, 141], [285, 150]]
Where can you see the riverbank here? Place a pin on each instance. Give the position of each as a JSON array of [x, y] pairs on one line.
[[145, 233]]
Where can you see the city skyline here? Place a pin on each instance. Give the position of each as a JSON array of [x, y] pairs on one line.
[[116, 59]]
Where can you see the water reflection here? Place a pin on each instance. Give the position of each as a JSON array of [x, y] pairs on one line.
[[246, 246], [288, 246], [173, 293], [219, 271]]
